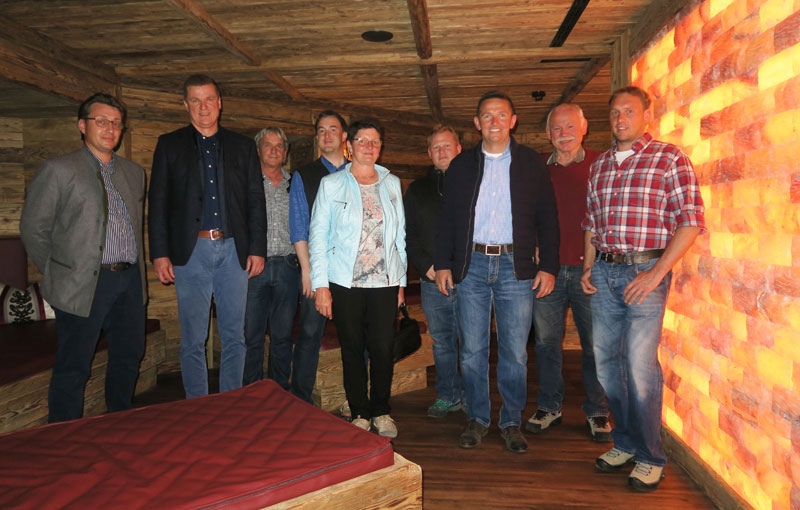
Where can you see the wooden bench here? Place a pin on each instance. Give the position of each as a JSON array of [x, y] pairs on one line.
[[410, 374], [26, 365]]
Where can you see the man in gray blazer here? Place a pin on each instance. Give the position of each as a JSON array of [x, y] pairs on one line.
[[82, 227]]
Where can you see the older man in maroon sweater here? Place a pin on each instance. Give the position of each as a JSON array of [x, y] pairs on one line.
[[569, 171]]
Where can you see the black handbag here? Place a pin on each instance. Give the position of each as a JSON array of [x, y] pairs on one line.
[[407, 339]]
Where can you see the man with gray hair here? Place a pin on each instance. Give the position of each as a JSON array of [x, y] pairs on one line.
[[569, 171], [272, 295]]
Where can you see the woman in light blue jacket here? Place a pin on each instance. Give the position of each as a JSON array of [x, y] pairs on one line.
[[357, 248]]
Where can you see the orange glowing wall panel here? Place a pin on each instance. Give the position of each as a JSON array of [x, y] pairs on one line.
[[726, 88]]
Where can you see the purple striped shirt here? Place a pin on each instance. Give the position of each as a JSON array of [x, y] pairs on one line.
[[120, 243]]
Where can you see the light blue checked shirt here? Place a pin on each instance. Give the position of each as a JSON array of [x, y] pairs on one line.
[[493, 210]]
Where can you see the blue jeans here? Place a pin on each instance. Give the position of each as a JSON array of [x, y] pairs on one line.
[[490, 279], [306, 349], [271, 298], [549, 316], [440, 312], [214, 269], [626, 351]]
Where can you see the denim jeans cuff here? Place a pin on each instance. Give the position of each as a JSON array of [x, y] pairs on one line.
[[549, 409]]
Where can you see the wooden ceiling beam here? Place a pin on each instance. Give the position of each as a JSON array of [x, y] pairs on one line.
[[384, 59], [584, 76], [215, 29], [418, 12], [430, 76], [284, 85], [248, 112], [31, 58]]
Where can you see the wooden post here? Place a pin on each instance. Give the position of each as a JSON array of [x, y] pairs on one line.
[[620, 61]]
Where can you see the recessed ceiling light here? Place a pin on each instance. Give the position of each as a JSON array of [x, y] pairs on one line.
[[377, 35]]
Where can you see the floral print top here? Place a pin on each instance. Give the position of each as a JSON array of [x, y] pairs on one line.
[[370, 267]]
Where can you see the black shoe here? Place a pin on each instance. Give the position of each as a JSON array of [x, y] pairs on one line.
[[541, 420], [515, 441], [471, 437], [599, 429]]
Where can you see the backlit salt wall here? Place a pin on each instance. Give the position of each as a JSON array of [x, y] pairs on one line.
[[726, 88]]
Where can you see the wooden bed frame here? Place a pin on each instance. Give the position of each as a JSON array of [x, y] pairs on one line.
[[397, 487]]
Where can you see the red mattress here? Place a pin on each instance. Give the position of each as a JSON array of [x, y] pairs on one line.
[[247, 448]]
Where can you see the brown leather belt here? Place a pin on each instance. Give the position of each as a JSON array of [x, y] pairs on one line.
[[211, 234], [642, 257], [117, 266], [493, 249]]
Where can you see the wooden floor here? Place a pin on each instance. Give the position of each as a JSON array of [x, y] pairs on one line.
[[556, 473]]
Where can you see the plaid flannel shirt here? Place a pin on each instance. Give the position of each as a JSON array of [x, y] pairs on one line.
[[637, 205]]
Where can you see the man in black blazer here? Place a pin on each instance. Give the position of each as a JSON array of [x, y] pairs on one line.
[[207, 232]]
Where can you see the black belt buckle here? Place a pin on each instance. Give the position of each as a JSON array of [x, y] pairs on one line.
[[117, 266]]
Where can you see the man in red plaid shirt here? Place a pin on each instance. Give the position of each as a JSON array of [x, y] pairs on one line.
[[644, 210]]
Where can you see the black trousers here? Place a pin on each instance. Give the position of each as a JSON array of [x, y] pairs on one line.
[[364, 319], [118, 311]]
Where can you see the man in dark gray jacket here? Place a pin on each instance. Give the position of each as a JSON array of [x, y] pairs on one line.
[[82, 226], [422, 202]]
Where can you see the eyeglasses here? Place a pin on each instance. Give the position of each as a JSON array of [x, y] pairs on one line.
[[267, 146], [104, 123], [363, 142]]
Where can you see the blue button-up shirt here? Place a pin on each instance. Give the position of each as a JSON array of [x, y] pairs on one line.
[[493, 209], [299, 219], [209, 148]]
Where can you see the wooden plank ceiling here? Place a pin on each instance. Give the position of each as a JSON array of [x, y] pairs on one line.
[[310, 54]]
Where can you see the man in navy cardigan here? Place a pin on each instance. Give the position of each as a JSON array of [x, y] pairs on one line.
[[498, 206], [208, 226]]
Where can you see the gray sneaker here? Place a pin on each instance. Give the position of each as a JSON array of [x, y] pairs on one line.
[[541, 420], [612, 460], [440, 408], [361, 423], [384, 425], [344, 410], [645, 477]]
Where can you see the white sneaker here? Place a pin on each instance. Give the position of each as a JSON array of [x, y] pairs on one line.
[[645, 477], [612, 460], [385, 426], [361, 423], [344, 410]]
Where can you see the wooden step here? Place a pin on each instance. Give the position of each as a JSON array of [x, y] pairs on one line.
[[409, 375]]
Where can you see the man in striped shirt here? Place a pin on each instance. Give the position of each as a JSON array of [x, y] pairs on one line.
[[644, 210], [82, 227]]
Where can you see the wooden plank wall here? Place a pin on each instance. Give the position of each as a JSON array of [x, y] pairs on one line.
[[12, 175], [143, 136]]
